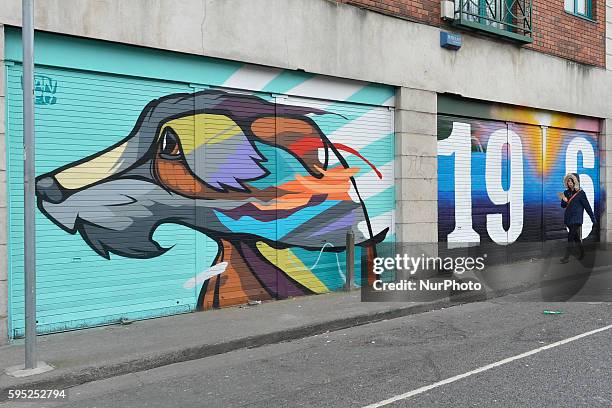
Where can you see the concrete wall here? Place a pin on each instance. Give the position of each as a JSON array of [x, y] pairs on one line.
[[325, 37], [606, 140], [606, 179], [416, 165], [3, 220]]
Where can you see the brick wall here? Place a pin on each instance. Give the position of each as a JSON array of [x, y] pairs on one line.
[[426, 11], [555, 31], [609, 34], [559, 33]]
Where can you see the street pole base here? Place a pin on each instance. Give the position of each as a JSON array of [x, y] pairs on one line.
[[20, 370]]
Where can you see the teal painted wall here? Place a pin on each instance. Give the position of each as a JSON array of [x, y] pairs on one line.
[[91, 113]]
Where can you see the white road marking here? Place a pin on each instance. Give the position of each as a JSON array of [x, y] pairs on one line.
[[484, 368]]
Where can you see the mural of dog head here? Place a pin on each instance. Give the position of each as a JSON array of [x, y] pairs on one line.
[[230, 166]]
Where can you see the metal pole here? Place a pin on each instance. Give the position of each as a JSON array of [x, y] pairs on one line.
[[29, 158], [350, 259]]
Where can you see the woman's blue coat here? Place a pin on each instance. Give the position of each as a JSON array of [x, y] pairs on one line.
[[575, 209]]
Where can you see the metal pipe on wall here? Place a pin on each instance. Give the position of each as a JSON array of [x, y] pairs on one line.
[[29, 174], [350, 259]]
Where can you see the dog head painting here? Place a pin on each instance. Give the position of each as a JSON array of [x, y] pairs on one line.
[[231, 166]]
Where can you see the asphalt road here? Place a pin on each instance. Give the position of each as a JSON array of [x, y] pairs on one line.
[[368, 364]]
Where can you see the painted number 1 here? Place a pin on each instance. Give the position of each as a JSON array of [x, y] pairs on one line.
[[459, 144]]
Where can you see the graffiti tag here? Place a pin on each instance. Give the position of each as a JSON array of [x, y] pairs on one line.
[[45, 89]]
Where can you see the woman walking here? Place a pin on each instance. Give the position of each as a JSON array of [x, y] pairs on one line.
[[575, 202]]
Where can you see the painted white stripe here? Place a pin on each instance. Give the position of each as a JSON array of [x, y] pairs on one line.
[[304, 102], [366, 129], [377, 119], [327, 88], [370, 185], [379, 224], [389, 102], [250, 77], [329, 105], [203, 276], [484, 368]]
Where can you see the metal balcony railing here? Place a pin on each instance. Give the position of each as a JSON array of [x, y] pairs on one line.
[[508, 18]]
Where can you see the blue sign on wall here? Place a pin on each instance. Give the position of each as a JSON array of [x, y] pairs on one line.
[[450, 41]]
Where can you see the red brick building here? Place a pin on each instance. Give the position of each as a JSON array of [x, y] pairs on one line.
[[555, 30]]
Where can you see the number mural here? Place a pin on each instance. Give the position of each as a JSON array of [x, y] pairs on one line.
[[498, 180]]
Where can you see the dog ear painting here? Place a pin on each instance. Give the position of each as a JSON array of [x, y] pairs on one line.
[[260, 179]]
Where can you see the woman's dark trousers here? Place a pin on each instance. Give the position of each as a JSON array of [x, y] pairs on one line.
[[574, 241]]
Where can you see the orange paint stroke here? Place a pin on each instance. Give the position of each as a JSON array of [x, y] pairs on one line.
[[335, 184]]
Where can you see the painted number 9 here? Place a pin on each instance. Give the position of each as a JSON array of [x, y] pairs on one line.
[[514, 195]]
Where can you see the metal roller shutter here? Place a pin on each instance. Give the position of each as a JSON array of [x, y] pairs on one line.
[[352, 166], [235, 135], [529, 242], [299, 199], [85, 114], [468, 196], [570, 151], [162, 197], [502, 191]]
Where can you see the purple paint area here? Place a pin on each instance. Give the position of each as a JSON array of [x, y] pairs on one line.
[[238, 166], [270, 276], [249, 210], [343, 222]]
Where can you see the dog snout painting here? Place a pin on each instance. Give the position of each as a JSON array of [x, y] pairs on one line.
[[261, 179]]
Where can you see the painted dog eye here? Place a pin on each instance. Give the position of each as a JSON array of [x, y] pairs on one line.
[[170, 148]]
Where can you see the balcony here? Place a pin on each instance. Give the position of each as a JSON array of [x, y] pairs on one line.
[[506, 18]]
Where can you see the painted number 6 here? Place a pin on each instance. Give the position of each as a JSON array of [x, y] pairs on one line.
[[583, 146]]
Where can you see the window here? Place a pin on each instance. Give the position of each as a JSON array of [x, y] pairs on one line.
[[583, 8]]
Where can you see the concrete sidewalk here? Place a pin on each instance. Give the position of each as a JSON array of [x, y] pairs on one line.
[[98, 353], [94, 354]]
